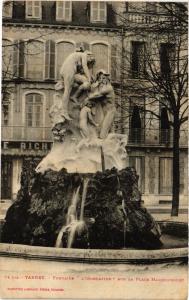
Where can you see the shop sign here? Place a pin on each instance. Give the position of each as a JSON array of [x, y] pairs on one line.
[[5, 145]]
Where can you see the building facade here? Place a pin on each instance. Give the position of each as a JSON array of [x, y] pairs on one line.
[[37, 37]]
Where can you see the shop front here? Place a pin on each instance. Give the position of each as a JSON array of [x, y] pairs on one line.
[[13, 156]]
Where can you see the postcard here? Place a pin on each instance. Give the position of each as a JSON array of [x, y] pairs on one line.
[[94, 144]]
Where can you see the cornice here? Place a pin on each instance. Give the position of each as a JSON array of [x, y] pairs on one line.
[[91, 28]]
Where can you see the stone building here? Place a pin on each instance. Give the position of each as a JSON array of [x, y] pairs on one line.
[[37, 37]]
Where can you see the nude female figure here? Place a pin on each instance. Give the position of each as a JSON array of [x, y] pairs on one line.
[[68, 72]]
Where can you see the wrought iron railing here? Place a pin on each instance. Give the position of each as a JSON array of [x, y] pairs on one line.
[[142, 18], [140, 136], [22, 133], [137, 136]]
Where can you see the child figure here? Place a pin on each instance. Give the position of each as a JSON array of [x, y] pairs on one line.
[[85, 118], [55, 111]]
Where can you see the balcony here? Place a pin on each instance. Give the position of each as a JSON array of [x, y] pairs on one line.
[[137, 136], [155, 137], [136, 19], [21, 133]]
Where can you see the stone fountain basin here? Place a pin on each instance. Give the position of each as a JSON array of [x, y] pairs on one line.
[[174, 236]]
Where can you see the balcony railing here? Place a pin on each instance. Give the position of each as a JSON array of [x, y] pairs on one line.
[[137, 136], [155, 137], [134, 18], [21, 133]]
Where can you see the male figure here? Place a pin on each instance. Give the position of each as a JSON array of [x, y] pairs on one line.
[[68, 71], [104, 93]]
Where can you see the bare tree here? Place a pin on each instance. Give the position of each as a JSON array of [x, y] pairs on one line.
[[161, 66]]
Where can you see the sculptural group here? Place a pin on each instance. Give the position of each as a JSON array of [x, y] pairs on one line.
[[82, 116], [75, 204], [93, 95]]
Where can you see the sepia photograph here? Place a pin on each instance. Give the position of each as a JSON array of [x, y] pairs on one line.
[[94, 150]]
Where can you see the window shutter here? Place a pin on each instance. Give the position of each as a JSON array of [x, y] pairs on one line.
[[37, 9], [94, 11], [16, 59], [101, 54], [21, 58], [29, 8], [102, 11], [59, 10], [113, 62], [7, 9], [181, 174], [52, 59], [68, 11], [49, 59], [165, 179]]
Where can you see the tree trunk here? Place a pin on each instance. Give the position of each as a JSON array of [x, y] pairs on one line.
[[176, 168]]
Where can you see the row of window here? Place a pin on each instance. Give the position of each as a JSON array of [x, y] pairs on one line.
[[34, 116], [165, 171], [39, 60], [165, 174], [138, 58], [138, 162], [95, 10], [33, 10]]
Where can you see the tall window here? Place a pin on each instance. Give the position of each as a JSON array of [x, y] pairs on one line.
[[182, 174], [5, 109], [49, 59], [63, 50], [137, 162], [136, 120], [126, 6], [33, 9], [98, 11], [165, 175], [7, 9], [100, 52], [6, 178], [137, 59], [7, 58], [167, 53], [115, 63], [34, 110], [34, 60], [164, 126], [64, 11]]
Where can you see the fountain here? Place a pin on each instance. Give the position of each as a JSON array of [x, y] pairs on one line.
[[70, 220], [73, 224], [82, 195]]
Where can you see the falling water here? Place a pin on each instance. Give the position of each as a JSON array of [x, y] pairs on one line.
[[84, 194], [60, 236], [71, 217], [72, 210], [78, 225], [73, 225]]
